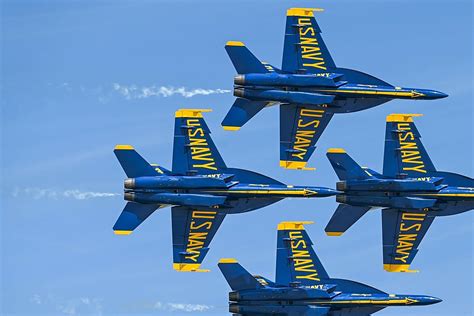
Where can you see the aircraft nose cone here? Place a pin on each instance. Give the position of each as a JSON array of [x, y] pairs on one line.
[[434, 300], [433, 94], [427, 300]]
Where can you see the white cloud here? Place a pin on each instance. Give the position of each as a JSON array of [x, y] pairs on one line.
[[181, 307], [69, 306], [42, 193], [135, 92]]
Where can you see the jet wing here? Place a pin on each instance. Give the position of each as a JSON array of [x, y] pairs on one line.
[[304, 48], [404, 152], [300, 128], [402, 233], [193, 231], [193, 148]]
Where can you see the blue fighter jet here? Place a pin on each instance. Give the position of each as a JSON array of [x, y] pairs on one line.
[[310, 88], [411, 192], [200, 187], [302, 285]]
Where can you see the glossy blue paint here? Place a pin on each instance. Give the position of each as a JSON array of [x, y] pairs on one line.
[[308, 81], [411, 192], [200, 188], [303, 287]]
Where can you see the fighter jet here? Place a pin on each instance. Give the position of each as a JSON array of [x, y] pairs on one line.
[[201, 189], [310, 88], [410, 191], [302, 285]]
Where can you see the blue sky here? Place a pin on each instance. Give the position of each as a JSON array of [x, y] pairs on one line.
[[73, 80]]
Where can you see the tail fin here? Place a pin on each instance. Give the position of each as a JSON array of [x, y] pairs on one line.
[[345, 167], [343, 218], [132, 163], [304, 48], [237, 277], [296, 259], [194, 150], [404, 153], [240, 113], [243, 60]]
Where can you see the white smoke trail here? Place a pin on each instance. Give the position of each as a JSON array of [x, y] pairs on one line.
[[135, 92], [42, 193]]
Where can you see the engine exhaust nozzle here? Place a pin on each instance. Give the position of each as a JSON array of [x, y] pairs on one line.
[[129, 196], [129, 183], [239, 80], [239, 93]]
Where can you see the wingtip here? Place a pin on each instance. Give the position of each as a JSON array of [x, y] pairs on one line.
[[124, 147], [191, 113], [399, 268], [402, 118], [334, 234], [297, 225], [306, 12], [336, 151], [295, 165], [228, 260], [189, 267], [234, 43], [231, 128], [123, 232]]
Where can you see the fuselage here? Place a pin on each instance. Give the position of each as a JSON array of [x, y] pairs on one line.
[[438, 201], [212, 194], [310, 89], [336, 301]]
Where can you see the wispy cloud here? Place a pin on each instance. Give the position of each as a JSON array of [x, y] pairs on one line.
[[135, 92], [72, 306], [181, 307], [42, 193]]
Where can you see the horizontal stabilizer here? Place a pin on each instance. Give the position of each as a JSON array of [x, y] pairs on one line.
[[241, 112], [237, 277], [243, 60], [133, 215], [132, 163], [343, 218], [345, 167]]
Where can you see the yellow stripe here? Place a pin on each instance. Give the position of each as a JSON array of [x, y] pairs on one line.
[[336, 151], [123, 147], [373, 302], [228, 260], [334, 233], [402, 117], [293, 225], [302, 11], [448, 194], [398, 268], [122, 232], [195, 113], [282, 192], [300, 165], [234, 43], [188, 267], [394, 93], [231, 128]]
